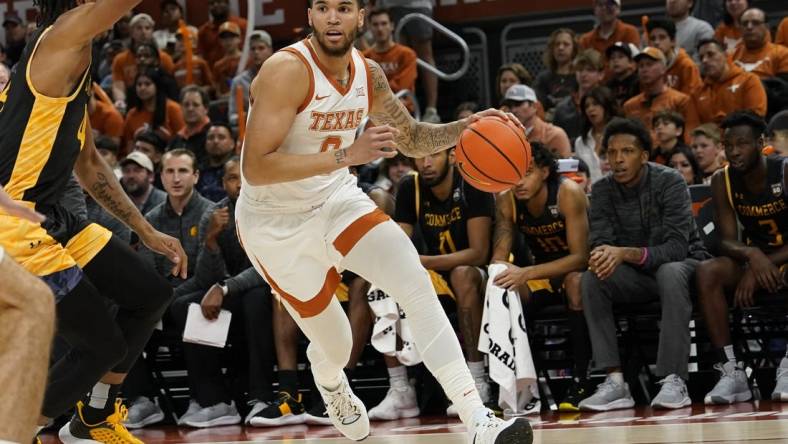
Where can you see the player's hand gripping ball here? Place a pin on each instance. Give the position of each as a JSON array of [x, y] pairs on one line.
[[493, 154]]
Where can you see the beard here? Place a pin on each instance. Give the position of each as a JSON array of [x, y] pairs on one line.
[[133, 189], [439, 178], [341, 50]]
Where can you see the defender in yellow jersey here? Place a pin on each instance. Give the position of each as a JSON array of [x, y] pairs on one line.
[[751, 192], [44, 136]]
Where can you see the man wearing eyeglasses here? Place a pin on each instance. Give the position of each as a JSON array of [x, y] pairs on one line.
[[758, 55], [609, 28]]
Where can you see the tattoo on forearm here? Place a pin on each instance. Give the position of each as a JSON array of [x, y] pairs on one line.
[[340, 155], [502, 234], [105, 194], [415, 139]]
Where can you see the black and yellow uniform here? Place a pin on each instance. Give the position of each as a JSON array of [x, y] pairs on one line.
[[443, 223], [545, 233], [40, 140], [764, 216]]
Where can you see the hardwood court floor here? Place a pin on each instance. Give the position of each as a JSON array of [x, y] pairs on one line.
[[755, 423]]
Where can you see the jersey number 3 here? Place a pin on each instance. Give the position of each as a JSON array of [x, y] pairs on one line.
[[331, 143], [774, 230]]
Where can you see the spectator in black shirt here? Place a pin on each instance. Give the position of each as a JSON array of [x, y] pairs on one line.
[[624, 81], [558, 80], [219, 148]]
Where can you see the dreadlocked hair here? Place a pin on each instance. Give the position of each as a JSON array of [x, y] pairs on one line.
[[50, 10]]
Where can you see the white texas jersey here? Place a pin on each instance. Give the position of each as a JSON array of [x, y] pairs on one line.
[[326, 120]]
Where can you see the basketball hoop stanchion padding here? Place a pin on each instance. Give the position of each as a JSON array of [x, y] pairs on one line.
[[188, 51]]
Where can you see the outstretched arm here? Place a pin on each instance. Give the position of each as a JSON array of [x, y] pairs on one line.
[[417, 139], [78, 27], [98, 179]]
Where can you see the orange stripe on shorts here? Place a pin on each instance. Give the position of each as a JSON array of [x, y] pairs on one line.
[[314, 306], [355, 231]]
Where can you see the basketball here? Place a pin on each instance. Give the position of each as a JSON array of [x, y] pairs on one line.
[[493, 155]]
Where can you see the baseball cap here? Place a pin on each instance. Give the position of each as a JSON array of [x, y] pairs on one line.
[[652, 53], [12, 17], [140, 159], [229, 27], [263, 36], [140, 18], [519, 93], [628, 49]]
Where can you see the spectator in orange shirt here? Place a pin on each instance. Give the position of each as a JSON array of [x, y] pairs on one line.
[[609, 28], [201, 72], [124, 67], [194, 103], [210, 47], [150, 108], [726, 87], [729, 31], [398, 61], [782, 33], [707, 148], [105, 120], [521, 101], [657, 95], [757, 55], [623, 82], [683, 74], [227, 67]]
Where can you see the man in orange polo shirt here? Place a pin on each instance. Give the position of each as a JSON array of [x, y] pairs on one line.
[[210, 48], [227, 67], [726, 87], [757, 55], [521, 101], [683, 74], [656, 95], [609, 28], [124, 66]]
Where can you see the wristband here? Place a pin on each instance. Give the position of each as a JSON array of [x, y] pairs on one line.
[[643, 257]]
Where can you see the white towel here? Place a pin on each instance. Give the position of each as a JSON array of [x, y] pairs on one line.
[[504, 339], [390, 322]]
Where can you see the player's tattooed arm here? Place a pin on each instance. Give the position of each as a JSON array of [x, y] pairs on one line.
[[415, 139], [503, 233]]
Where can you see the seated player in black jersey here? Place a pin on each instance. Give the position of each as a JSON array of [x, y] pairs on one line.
[[455, 221], [750, 191], [551, 212]]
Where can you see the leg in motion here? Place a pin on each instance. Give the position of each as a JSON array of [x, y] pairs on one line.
[[27, 322]]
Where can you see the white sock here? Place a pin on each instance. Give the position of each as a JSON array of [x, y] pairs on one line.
[[398, 377], [99, 396], [729, 353], [616, 377], [458, 384], [477, 371]]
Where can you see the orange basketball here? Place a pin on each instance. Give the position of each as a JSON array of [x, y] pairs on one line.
[[493, 154]]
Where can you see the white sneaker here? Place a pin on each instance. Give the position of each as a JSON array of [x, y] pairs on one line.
[[431, 116], [399, 403], [485, 394], [609, 395], [673, 394], [487, 429], [732, 386], [194, 407], [257, 407], [143, 412], [780, 392], [346, 411]]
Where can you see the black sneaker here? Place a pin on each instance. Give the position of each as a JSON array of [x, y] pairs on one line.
[[318, 414], [574, 394], [285, 410]]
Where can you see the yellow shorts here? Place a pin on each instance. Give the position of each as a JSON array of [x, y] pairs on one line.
[[60, 242]]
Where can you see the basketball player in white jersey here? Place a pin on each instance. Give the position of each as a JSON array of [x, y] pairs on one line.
[[302, 219]]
